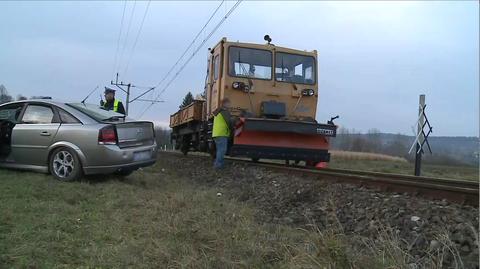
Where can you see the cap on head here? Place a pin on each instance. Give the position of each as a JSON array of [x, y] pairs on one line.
[[109, 90]]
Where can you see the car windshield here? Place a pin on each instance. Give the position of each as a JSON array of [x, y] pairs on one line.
[[294, 68], [97, 112], [252, 63]]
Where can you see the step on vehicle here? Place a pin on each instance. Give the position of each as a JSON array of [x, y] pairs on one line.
[[69, 140]]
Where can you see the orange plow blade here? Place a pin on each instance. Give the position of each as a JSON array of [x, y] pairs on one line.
[[276, 139]]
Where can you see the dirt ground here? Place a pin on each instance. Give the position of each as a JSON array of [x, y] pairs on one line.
[[422, 226]]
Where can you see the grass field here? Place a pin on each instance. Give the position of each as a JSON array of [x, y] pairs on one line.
[[389, 164], [154, 219]]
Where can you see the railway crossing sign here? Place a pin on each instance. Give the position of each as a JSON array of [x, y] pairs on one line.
[[421, 137]]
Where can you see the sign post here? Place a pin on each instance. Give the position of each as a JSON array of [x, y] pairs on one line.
[[421, 138]]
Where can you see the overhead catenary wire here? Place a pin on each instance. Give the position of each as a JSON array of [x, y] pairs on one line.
[[191, 57], [118, 39], [132, 51], [151, 89], [132, 13], [190, 45]]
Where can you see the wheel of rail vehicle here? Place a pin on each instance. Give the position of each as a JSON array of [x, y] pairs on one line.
[[185, 146], [184, 149]]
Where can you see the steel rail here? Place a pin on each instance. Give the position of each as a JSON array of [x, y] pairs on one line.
[[458, 191]]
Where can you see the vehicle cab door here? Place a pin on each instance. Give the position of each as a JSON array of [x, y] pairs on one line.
[[214, 93], [34, 133]]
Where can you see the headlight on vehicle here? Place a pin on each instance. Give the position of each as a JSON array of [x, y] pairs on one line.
[[237, 85], [308, 92]]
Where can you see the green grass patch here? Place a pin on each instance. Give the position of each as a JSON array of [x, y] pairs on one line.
[[154, 219], [428, 170]]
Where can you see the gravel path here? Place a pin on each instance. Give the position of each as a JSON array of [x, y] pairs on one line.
[[295, 199]]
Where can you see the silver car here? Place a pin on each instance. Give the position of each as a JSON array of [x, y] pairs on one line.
[[72, 139]]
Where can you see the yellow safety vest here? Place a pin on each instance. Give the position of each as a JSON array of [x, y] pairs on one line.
[[115, 105], [220, 126]]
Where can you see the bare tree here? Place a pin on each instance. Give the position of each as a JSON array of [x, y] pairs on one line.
[[4, 96]]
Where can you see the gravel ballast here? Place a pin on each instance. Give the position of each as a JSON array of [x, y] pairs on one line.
[[301, 200]]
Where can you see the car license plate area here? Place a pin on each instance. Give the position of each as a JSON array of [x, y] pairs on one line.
[[141, 155]]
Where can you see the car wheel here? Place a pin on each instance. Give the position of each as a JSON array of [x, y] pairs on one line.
[[65, 165]]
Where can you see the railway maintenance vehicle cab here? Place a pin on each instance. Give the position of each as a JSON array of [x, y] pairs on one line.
[[273, 93]]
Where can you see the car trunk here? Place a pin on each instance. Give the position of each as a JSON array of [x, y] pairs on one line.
[[135, 134]]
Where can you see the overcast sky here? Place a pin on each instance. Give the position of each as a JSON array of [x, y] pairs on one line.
[[375, 58]]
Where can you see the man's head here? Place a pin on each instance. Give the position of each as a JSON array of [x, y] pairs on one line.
[[109, 94], [225, 102]]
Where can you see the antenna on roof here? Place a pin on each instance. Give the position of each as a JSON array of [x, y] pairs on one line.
[[85, 99]]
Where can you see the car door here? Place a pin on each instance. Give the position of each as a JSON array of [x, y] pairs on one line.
[[34, 133], [9, 116]]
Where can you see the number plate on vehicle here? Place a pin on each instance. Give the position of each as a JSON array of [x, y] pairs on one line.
[[142, 155], [326, 132]]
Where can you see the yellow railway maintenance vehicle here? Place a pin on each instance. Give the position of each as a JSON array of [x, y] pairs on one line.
[[273, 93]]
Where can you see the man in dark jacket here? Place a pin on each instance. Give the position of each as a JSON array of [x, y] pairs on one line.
[[111, 103]]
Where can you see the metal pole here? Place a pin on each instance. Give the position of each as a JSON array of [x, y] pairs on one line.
[[418, 151], [128, 99]]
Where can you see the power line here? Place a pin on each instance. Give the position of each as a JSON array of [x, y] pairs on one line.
[[119, 36], [190, 45], [126, 36], [193, 54], [136, 39], [152, 89]]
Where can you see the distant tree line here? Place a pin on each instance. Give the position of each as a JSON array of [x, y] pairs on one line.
[[398, 145], [352, 140], [162, 135], [5, 96]]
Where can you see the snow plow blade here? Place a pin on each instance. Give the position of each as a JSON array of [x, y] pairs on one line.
[[282, 139]]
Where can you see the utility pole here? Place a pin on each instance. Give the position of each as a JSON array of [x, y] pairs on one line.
[[127, 92]]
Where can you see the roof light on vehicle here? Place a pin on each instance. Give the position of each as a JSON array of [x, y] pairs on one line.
[[107, 135]]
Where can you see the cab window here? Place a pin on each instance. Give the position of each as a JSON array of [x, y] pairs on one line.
[[294, 68], [251, 63], [216, 67], [35, 114]]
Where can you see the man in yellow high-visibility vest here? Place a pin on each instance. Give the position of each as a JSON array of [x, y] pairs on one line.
[[111, 103], [222, 129]]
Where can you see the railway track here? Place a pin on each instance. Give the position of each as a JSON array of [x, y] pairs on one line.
[[458, 191]]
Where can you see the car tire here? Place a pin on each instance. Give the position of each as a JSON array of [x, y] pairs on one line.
[[64, 164]]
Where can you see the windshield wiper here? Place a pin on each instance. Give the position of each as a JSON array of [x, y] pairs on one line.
[[114, 118]]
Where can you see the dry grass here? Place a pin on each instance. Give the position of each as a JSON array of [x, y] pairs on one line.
[[352, 155], [157, 220]]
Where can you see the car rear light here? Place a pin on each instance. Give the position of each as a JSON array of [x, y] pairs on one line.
[[107, 135]]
